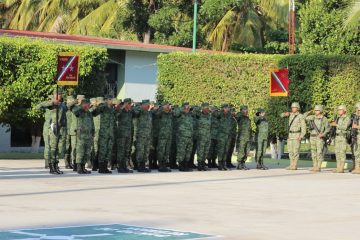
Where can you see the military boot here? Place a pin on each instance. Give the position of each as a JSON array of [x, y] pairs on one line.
[[84, 169], [182, 166], [74, 166], [258, 165], [106, 170], [51, 168], [357, 168], [79, 169], [163, 168], [143, 168], [95, 166], [213, 163], [57, 169]]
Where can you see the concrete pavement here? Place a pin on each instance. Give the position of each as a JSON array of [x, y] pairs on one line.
[[275, 204]]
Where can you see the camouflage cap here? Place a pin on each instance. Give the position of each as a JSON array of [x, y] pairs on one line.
[[100, 100], [108, 96], [205, 105], [85, 100], [357, 105], [92, 100], [165, 103], [225, 105], [243, 108], [127, 100], [260, 110], [80, 97], [185, 104], [318, 108], [295, 105], [70, 98], [342, 107], [145, 101]]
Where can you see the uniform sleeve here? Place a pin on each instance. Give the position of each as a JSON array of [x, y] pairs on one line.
[[283, 115], [302, 126], [309, 118], [344, 125], [326, 126], [44, 105]]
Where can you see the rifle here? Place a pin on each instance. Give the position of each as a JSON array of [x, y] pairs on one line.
[[332, 133]]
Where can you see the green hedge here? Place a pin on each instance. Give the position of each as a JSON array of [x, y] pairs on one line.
[[244, 79], [27, 69]]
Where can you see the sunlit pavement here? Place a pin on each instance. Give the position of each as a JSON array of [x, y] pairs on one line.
[[255, 204]]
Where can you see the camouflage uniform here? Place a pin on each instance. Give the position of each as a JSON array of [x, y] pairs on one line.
[[195, 137], [223, 136], [212, 154], [173, 147], [184, 137], [165, 121], [153, 159], [106, 114], [261, 138], [232, 140], [123, 136], [319, 128], [342, 127], [70, 101], [84, 134], [143, 135], [243, 137], [356, 140], [204, 135], [97, 121], [297, 131], [44, 105]]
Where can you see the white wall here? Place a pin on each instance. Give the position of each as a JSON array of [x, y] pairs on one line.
[[5, 144], [140, 75]]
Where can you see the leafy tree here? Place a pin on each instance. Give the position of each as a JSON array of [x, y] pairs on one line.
[[322, 28], [242, 21]]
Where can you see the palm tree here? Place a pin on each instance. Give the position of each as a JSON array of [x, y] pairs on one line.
[[245, 21]]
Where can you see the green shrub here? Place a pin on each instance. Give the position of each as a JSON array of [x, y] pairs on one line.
[[243, 79], [27, 70]]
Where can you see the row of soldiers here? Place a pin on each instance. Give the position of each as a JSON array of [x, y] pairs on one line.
[[105, 132], [343, 130]]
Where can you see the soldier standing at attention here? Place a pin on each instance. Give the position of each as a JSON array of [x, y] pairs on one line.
[[93, 159], [224, 136], [244, 137], [297, 131], [143, 135], [123, 136], [319, 128], [356, 143], [212, 154], [342, 127], [261, 137], [70, 102], [232, 140], [84, 134], [44, 105], [116, 106], [97, 121], [153, 159], [165, 120], [172, 158], [184, 137], [193, 110], [204, 135], [106, 133]]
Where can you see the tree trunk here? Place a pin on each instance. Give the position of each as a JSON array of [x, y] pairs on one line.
[[147, 36]]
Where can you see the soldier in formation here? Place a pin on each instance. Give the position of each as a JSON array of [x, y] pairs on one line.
[[110, 133]]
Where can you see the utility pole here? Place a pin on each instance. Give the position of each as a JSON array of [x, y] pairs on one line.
[[291, 30], [195, 25]]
